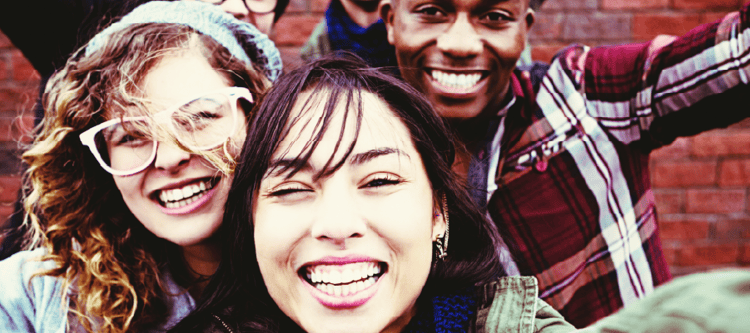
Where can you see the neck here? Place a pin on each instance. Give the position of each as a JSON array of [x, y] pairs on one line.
[[201, 260], [363, 13], [401, 322]]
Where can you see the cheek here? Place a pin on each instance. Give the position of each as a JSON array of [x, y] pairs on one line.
[[129, 187]]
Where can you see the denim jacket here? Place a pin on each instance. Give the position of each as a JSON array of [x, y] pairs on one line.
[[512, 304], [33, 304]]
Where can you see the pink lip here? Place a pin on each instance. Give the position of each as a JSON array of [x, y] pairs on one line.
[[187, 209], [342, 302]]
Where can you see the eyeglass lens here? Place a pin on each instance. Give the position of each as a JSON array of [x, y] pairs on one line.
[[201, 124]]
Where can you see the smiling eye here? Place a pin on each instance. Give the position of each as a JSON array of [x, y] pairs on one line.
[[382, 181], [430, 12], [288, 191], [496, 17]]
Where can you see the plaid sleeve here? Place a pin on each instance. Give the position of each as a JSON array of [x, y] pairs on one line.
[[666, 88]]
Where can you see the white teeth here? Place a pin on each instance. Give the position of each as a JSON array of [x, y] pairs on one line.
[[456, 80], [343, 280], [186, 195]]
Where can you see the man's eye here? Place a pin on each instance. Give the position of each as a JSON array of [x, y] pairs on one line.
[[431, 11], [496, 17]]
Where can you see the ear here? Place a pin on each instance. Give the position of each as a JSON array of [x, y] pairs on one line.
[[439, 223], [530, 18], [386, 14]]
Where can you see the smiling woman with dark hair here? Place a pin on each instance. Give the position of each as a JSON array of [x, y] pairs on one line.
[[347, 217]]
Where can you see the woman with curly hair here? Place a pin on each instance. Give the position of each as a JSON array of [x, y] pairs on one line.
[[130, 171]]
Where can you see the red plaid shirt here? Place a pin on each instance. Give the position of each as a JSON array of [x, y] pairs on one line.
[[573, 192]]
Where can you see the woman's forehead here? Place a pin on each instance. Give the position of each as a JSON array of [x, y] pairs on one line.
[[378, 129]]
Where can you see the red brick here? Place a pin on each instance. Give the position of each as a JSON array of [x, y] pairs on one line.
[[552, 5], [706, 4], [545, 52], [683, 230], [17, 99], [683, 173], [546, 26], [707, 254], [3, 69], [293, 30], [715, 201], [290, 57], [722, 143], [680, 148], [712, 17], [734, 172], [634, 4], [732, 229], [670, 254], [5, 212], [744, 255], [4, 41], [648, 25], [9, 186], [319, 6], [22, 68], [669, 202], [296, 6], [597, 25]]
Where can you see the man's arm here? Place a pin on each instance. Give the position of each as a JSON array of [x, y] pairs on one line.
[[656, 91]]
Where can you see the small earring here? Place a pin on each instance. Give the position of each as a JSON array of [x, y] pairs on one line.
[[441, 242]]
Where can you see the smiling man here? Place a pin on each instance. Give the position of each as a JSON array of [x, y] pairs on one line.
[[560, 157]]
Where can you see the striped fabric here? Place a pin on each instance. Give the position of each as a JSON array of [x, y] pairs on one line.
[[573, 190]]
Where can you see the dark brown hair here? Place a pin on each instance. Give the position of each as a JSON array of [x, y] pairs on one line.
[[239, 295]]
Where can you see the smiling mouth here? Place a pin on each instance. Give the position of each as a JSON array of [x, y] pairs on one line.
[[343, 280], [457, 80], [185, 195]]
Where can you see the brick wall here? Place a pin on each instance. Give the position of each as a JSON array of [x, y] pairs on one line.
[[701, 184]]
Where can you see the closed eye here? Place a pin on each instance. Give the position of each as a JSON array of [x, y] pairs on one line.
[[381, 181], [287, 191]]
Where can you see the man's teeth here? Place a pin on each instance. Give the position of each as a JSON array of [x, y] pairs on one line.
[[180, 197], [456, 80], [343, 280]]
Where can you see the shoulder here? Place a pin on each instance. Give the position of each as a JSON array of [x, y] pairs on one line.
[[317, 44], [31, 301], [512, 303]]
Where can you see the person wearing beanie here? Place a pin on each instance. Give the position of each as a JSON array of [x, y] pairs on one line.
[[130, 171], [48, 32]]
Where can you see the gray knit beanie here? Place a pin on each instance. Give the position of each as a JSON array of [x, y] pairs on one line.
[[242, 39]]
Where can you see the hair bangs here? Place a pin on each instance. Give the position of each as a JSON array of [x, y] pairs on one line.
[[348, 101]]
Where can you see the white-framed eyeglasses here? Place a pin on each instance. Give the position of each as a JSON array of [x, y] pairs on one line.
[[126, 146], [255, 6]]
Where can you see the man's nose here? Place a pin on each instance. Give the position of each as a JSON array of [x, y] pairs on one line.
[[461, 39]]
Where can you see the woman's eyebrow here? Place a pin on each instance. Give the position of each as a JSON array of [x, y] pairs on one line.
[[361, 158], [282, 165]]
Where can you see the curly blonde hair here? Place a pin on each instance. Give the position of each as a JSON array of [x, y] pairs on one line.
[[110, 261]]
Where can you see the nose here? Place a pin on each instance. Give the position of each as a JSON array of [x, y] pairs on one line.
[[170, 157], [237, 8], [337, 219], [461, 40]]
